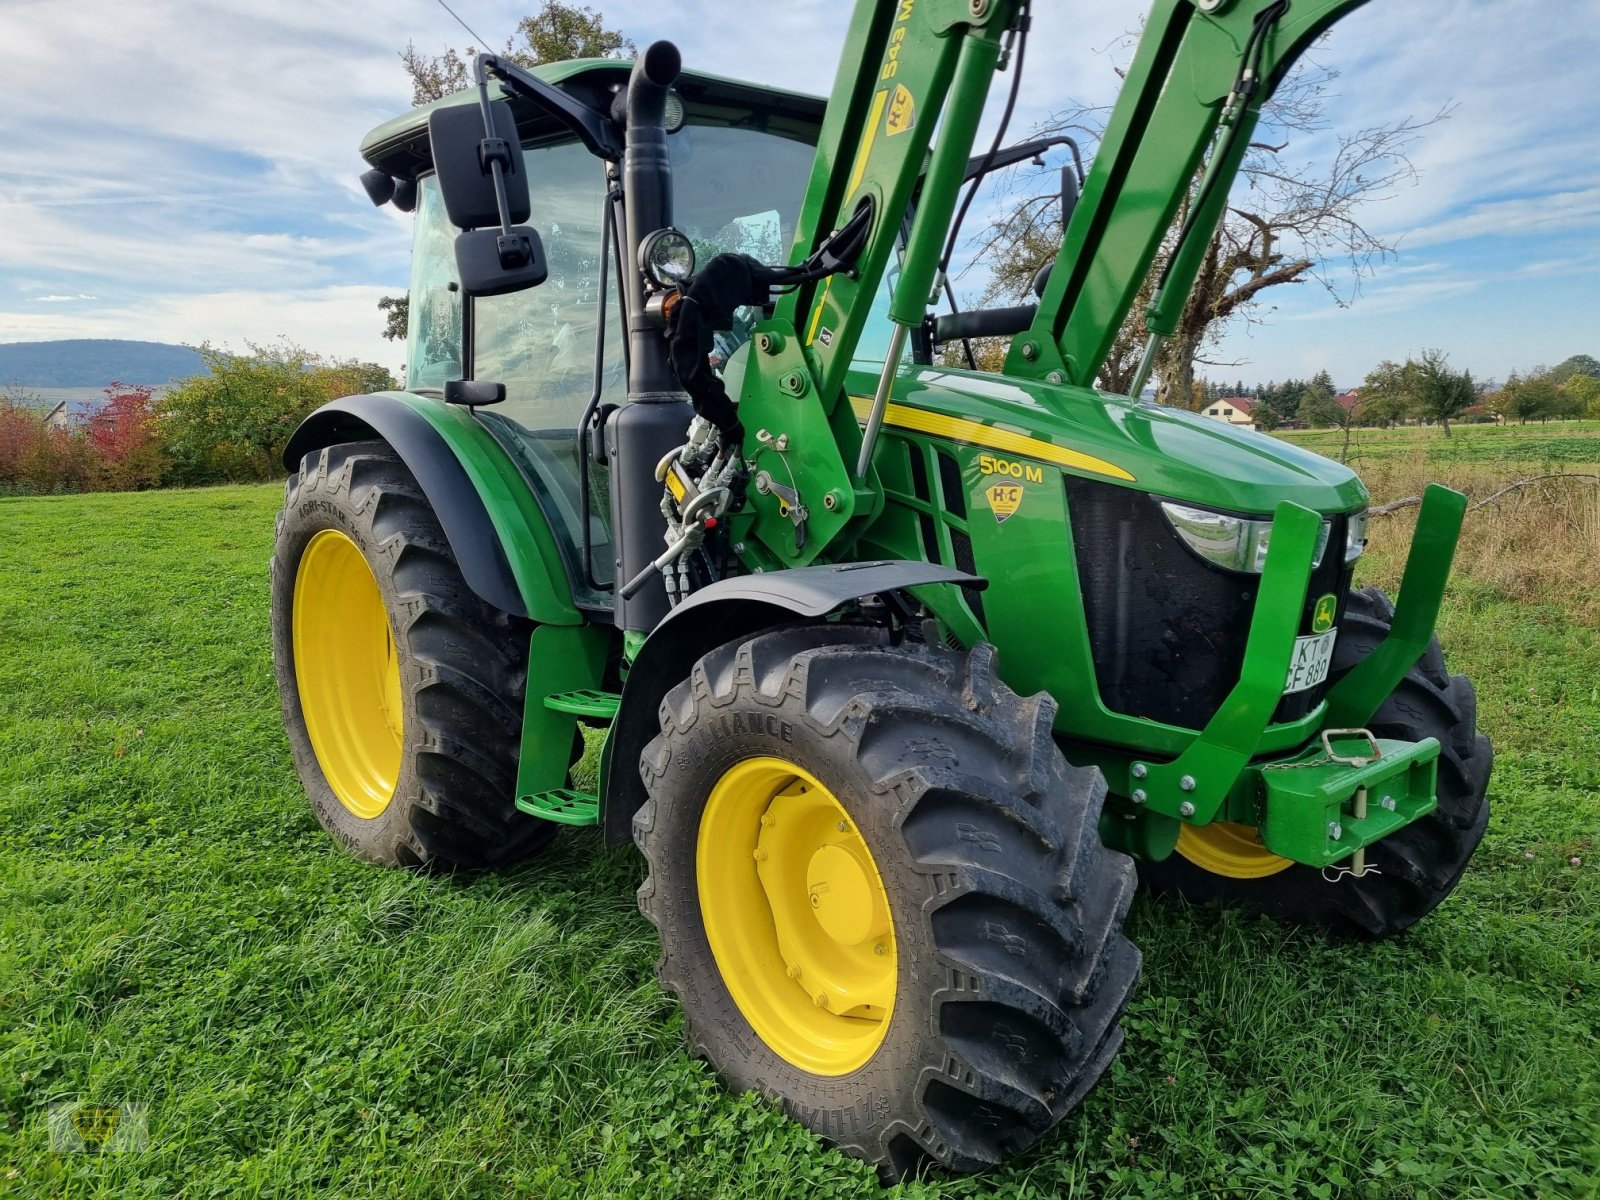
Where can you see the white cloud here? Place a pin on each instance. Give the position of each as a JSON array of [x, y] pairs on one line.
[[63, 299]]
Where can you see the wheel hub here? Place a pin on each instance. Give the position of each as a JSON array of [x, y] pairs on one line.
[[844, 903]]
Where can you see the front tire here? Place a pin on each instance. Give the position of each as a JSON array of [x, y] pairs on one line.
[[882, 896], [1417, 866], [401, 689]]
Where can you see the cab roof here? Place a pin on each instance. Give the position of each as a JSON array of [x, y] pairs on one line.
[[400, 146]]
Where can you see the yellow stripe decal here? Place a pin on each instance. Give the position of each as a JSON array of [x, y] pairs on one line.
[[857, 173], [816, 313], [919, 420], [860, 169]]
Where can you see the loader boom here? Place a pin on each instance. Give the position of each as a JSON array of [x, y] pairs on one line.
[[1185, 93]]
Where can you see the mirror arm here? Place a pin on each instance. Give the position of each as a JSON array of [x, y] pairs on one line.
[[494, 150], [594, 129]]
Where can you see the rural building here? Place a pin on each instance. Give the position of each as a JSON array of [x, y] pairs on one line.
[[1235, 410], [71, 414]]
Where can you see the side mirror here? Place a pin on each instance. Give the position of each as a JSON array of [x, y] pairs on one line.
[[462, 154], [490, 263], [498, 254]]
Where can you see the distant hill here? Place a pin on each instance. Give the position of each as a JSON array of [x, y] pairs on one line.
[[95, 362]]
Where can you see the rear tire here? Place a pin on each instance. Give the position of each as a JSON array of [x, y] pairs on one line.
[[1007, 969], [1418, 866], [445, 796]]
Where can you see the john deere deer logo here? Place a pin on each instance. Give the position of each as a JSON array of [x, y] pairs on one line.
[[1322, 615]]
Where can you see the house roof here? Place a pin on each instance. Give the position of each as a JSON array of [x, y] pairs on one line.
[[1244, 404], [1348, 400]]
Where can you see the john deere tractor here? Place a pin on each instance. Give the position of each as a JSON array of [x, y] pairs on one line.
[[905, 674]]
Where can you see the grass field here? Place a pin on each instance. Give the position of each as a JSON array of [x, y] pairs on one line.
[[176, 930]]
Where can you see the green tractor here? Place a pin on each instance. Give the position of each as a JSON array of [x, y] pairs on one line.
[[905, 674]]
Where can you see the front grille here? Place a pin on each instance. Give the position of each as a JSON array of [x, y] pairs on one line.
[[1167, 630]]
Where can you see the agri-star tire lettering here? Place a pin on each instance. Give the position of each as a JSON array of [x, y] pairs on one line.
[[1417, 866], [1000, 915], [441, 791]]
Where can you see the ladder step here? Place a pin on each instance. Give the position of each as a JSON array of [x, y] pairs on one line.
[[563, 806], [584, 703]]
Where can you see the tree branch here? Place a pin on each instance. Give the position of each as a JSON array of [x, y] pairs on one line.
[[1384, 510]]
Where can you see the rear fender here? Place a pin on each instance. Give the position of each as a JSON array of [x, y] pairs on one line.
[[491, 519], [726, 611]]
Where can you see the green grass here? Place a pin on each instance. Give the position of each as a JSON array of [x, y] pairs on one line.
[[176, 929], [1552, 446]]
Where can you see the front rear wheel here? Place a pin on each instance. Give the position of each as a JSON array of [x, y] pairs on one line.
[[882, 896], [401, 689]]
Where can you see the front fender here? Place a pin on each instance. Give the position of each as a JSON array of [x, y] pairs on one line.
[[726, 611], [496, 530]]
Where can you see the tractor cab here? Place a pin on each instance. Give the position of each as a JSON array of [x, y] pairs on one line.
[[741, 159]]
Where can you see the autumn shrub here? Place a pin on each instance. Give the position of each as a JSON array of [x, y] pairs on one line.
[[127, 442], [232, 423], [36, 459]]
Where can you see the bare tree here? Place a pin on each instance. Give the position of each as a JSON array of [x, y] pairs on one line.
[[555, 33], [1289, 222]]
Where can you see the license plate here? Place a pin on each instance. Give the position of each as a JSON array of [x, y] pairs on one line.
[[1309, 666]]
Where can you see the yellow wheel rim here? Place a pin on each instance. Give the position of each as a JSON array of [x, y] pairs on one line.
[[1226, 848], [797, 916], [348, 673]]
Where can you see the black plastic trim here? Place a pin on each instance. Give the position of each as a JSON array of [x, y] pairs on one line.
[[725, 611]]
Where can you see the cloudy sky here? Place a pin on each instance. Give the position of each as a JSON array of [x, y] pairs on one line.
[[185, 170]]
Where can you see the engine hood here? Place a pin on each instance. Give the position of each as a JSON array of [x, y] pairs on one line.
[[1168, 451]]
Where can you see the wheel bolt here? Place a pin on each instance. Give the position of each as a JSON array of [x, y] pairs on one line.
[[766, 818], [815, 900], [760, 854], [1186, 809], [844, 826], [794, 971], [821, 999], [880, 948]]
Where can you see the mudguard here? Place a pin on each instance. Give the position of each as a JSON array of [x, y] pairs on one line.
[[727, 611], [491, 518]]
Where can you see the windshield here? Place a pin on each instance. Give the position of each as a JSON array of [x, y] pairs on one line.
[[734, 189]]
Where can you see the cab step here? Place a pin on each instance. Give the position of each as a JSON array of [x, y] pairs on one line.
[[563, 806], [601, 706]]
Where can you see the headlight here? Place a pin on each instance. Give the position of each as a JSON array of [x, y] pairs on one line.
[[1356, 536], [1233, 543], [666, 257]]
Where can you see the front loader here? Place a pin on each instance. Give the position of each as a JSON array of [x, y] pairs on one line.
[[902, 673]]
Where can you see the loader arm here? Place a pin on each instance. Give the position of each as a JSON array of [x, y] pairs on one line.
[[907, 66], [1179, 101]]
